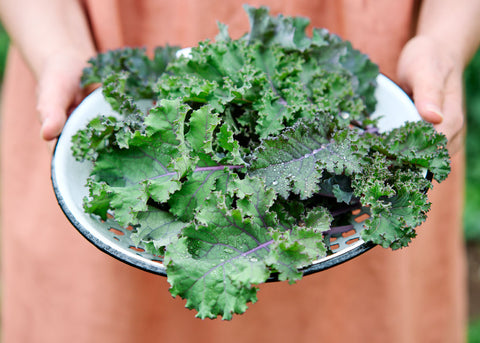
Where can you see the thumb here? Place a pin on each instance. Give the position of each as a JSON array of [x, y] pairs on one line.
[[424, 78], [53, 122], [54, 99], [428, 96], [427, 89]]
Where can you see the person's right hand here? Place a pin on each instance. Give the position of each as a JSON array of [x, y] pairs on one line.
[[59, 92]]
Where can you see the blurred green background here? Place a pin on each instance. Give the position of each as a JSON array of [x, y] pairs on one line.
[[472, 196], [472, 203], [472, 191], [3, 50]]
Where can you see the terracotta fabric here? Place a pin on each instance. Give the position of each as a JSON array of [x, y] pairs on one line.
[[57, 287]]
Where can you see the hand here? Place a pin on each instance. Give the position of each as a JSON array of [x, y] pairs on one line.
[[433, 75], [59, 92]]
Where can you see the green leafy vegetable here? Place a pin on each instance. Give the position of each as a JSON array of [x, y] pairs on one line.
[[233, 162]]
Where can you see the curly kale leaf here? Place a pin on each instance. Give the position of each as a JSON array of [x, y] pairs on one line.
[[264, 87], [217, 264], [140, 70], [296, 160], [417, 144], [156, 163], [393, 184], [97, 136], [156, 229], [326, 49], [289, 32], [387, 172]]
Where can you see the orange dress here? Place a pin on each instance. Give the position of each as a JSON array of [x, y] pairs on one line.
[[57, 287]]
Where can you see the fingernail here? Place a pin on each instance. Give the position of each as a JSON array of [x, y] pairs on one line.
[[42, 128], [434, 112]]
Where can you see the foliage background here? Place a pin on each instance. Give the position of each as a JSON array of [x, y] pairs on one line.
[[472, 191], [472, 196], [472, 199], [3, 50]]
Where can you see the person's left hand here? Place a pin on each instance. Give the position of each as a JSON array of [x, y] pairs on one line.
[[433, 76]]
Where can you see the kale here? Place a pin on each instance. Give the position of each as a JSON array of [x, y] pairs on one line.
[[232, 162]]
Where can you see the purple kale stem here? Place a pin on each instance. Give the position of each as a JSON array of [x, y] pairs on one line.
[[372, 129], [339, 229], [310, 154], [162, 175], [200, 169], [261, 246]]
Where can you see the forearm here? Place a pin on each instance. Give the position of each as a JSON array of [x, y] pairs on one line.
[[455, 24], [43, 28]]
